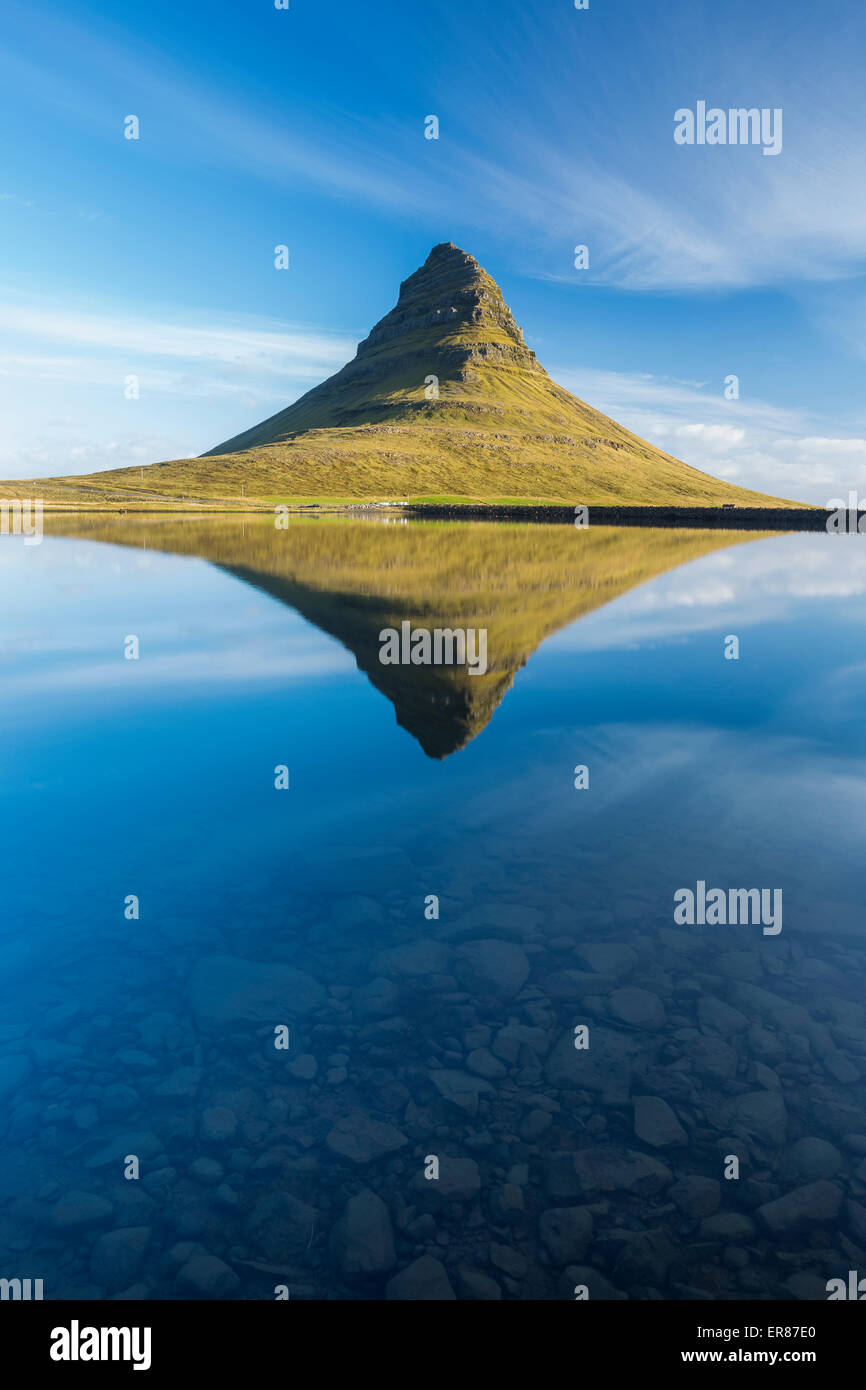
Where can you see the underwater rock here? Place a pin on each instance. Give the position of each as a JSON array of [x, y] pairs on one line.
[[225, 990]]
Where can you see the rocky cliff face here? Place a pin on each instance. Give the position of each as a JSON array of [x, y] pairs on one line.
[[449, 295], [450, 317]]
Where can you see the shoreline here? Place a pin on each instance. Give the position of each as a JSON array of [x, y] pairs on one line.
[[697, 518], [667, 517]]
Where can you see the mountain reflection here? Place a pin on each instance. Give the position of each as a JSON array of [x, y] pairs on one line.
[[353, 578]]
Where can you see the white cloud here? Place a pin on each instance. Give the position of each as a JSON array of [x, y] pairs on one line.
[[752, 443], [56, 361], [713, 437], [241, 343], [842, 449]]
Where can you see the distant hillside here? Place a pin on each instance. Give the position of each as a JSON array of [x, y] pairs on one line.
[[443, 400]]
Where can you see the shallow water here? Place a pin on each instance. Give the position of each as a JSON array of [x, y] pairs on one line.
[[302, 1170]]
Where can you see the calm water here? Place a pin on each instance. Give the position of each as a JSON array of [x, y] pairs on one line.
[[411, 1036]]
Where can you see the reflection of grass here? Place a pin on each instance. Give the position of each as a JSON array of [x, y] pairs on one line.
[[525, 580], [353, 578]]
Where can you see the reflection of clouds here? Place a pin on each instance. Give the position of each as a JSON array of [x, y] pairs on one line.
[[759, 581], [196, 624], [698, 796], [842, 694], [706, 595], [827, 589], [184, 668]]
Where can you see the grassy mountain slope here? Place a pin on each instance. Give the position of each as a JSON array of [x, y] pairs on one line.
[[499, 429]]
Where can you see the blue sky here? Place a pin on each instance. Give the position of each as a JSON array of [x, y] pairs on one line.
[[305, 127]]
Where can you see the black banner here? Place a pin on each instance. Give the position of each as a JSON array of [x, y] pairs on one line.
[[650, 1338]]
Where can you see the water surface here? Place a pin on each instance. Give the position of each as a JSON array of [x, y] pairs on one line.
[[414, 1036]]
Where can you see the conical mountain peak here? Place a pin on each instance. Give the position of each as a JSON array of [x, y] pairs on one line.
[[450, 294], [450, 326], [444, 398]]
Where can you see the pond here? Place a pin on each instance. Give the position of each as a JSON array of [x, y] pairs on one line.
[[325, 976]]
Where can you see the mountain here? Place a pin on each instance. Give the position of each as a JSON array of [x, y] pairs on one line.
[[451, 322], [442, 401], [444, 397], [521, 583]]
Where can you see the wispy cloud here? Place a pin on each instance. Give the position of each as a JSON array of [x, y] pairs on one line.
[[245, 345], [754, 443], [544, 144], [59, 354], [657, 216]]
